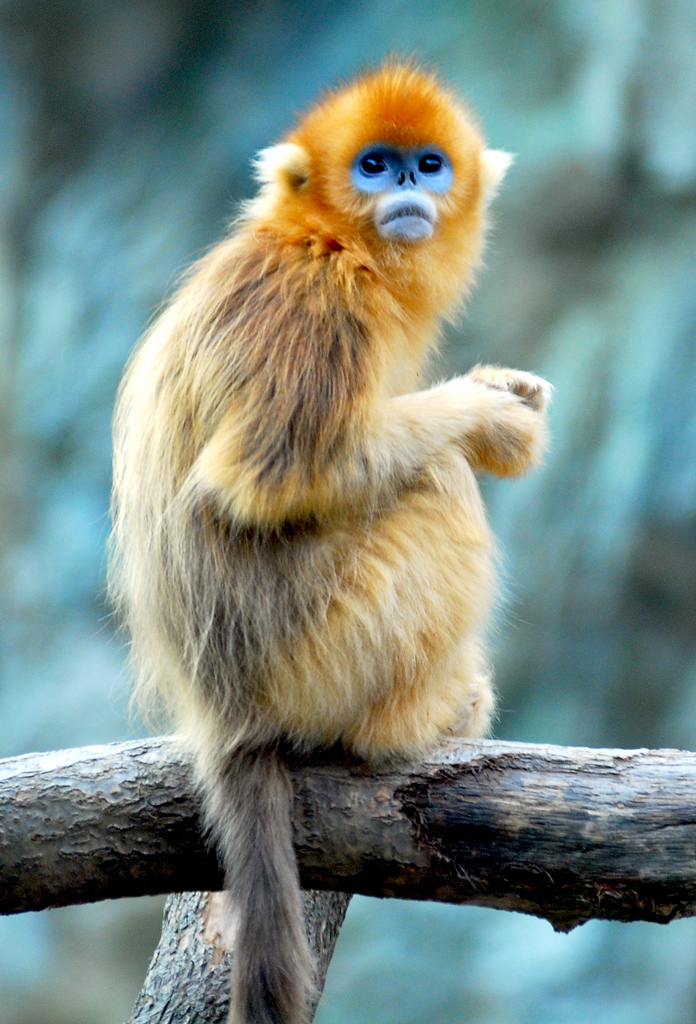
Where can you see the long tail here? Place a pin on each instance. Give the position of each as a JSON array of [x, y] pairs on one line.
[[249, 808]]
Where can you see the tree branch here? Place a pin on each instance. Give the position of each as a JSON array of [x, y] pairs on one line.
[[189, 977], [564, 833]]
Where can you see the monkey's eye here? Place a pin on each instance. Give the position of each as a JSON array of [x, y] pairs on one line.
[[431, 163], [373, 163]]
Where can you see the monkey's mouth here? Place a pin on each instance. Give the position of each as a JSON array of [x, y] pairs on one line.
[[406, 211], [406, 219]]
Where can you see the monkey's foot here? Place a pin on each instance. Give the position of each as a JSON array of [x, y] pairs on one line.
[[476, 713], [534, 391]]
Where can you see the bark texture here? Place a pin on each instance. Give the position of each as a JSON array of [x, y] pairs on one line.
[[188, 979], [564, 833]]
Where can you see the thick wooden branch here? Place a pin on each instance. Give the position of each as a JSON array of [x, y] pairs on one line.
[[564, 833]]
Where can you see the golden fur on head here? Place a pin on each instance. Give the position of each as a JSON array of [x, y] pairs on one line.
[[308, 186], [300, 547]]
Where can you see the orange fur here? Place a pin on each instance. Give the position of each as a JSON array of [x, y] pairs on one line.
[[300, 545]]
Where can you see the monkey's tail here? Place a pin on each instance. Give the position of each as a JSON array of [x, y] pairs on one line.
[[250, 809]]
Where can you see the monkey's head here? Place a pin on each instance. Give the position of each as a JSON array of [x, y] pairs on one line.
[[393, 159]]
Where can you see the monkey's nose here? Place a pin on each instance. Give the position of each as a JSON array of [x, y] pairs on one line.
[[402, 178]]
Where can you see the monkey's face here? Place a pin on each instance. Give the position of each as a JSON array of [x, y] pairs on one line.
[[392, 167], [394, 160], [404, 183]]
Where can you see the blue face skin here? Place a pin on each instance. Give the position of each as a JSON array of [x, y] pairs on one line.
[[403, 181]]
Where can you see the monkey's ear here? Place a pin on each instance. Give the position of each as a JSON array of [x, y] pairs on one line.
[[494, 164], [285, 166]]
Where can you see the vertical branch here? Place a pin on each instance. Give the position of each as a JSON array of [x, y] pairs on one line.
[[188, 979]]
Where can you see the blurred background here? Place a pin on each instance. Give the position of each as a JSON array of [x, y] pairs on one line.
[[127, 132]]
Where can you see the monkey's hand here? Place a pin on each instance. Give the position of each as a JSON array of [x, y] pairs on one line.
[[534, 391], [511, 434], [496, 417]]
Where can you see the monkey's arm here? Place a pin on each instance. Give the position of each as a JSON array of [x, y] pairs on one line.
[[494, 417]]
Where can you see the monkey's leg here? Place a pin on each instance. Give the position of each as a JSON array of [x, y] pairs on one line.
[[471, 675], [373, 665], [452, 699], [410, 721], [426, 570]]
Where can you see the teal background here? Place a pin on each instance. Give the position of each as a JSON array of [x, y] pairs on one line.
[[127, 133]]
